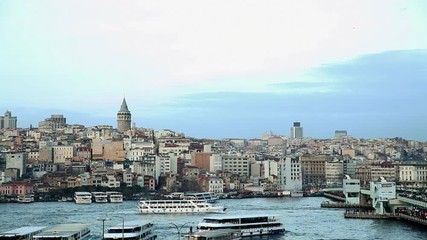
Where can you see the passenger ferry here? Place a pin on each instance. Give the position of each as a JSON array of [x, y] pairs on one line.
[[131, 230], [219, 234], [248, 225], [25, 198], [177, 206], [99, 197], [22, 233], [83, 197], [209, 197], [115, 197], [72, 231]]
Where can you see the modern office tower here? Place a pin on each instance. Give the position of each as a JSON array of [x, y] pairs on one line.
[[296, 131], [7, 121], [123, 118], [340, 133]]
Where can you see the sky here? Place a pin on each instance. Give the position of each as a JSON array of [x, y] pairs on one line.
[[219, 68]]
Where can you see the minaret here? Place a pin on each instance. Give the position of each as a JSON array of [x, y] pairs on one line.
[[123, 118]]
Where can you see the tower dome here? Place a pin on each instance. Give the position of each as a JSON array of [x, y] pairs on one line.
[[123, 117]]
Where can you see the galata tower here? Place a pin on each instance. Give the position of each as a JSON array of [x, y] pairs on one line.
[[123, 118]]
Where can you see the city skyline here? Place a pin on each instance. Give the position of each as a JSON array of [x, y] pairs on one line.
[[219, 69]]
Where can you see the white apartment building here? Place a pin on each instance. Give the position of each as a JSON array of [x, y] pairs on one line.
[[216, 185], [168, 163], [215, 162], [412, 173], [135, 148], [334, 173], [289, 174]]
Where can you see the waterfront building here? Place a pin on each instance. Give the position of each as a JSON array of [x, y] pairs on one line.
[[313, 170], [17, 188], [289, 174], [124, 118], [8, 121], [380, 192], [216, 185], [351, 190], [296, 131], [412, 175], [334, 173]]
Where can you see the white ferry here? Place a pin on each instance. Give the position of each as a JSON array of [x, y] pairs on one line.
[[177, 206], [99, 197], [248, 225], [115, 197], [72, 231], [209, 197], [83, 197], [25, 198], [220, 234], [131, 230], [22, 233]]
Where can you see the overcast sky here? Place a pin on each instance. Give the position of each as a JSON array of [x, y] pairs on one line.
[[215, 69]]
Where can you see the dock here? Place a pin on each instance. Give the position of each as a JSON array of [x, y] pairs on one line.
[[367, 215], [328, 204], [393, 216]]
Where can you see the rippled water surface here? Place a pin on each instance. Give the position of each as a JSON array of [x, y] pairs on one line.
[[303, 218]]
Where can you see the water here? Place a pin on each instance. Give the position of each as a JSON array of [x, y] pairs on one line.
[[303, 218]]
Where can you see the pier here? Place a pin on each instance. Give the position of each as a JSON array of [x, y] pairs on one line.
[[368, 215], [328, 204], [393, 216]]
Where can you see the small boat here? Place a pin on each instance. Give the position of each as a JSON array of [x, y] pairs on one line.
[[115, 197], [178, 206], [83, 197], [25, 198], [131, 230], [22, 233], [99, 197], [219, 234], [248, 225], [71, 231]]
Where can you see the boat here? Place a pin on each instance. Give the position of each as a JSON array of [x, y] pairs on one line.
[[70, 231], [209, 197], [178, 206], [219, 234], [99, 197], [83, 197], [22, 233], [248, 225], [115, 197], [25, 198], [131, 230]]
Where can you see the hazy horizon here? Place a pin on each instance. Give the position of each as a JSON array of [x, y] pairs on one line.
[[219, 69]]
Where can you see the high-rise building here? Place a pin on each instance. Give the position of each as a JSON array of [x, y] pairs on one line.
[[123, 118], [7, 121], [296, 131], [340, 133]]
